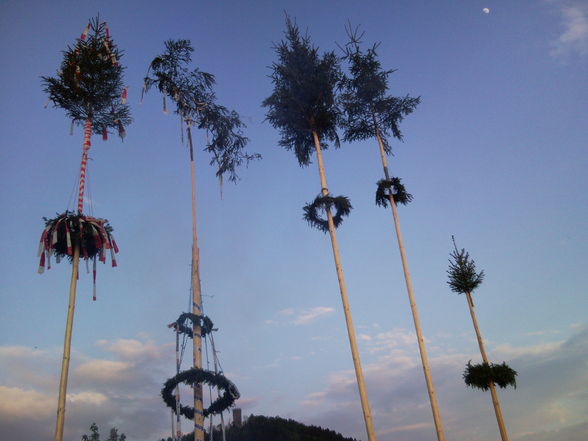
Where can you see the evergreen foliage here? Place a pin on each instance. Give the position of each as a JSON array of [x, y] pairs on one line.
[[368, 110], [480, 375], [463, 277], [192, 92], [304, 96], [395, 186], [340, 203], [262, 428], [95, 434], [206, 325], [89, 83], [194, 376]]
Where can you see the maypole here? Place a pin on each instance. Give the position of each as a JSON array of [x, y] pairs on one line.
[[370, 113], [304, 109], [89, 88], [463, 279], [192, 92]]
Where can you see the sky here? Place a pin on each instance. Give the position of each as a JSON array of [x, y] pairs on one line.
[[495, 154]]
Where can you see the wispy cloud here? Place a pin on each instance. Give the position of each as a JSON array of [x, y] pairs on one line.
[[300, 316], [574, 36]]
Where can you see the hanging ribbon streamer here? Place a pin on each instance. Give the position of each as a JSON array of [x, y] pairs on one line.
[[164, 106], [104, 133], [71, 127], [121, 129], [124, 96], [143, 92], [85, 32]]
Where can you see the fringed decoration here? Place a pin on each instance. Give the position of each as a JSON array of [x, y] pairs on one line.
[[67, 231], [121, 130], [164, 106], [85, 32]]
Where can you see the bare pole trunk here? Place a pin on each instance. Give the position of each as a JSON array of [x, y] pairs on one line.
[[196, 303], [67, 345], [413, 307], [495, 401], [351, 333], [72, 292]]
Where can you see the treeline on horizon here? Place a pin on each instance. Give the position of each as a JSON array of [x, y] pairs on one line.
[[262, 428]]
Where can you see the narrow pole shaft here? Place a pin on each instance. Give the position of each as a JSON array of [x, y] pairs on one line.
[[177, 433], [196, 304], [86, 147], [495, 402], [351, 333], [413, 307], [67, 345]]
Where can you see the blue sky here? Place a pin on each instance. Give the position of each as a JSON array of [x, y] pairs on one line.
[[494, 154]]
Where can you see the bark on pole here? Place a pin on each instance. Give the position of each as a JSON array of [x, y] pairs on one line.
[[67, 345], [351, 333], [495, 401], [196, 304], [413, 307]]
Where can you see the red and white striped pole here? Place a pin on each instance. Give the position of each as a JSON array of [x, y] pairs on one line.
[[87, 135]]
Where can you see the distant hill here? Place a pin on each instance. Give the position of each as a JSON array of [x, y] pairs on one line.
[[262, 428]]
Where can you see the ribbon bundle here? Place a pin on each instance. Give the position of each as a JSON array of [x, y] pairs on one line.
[[62, 234]]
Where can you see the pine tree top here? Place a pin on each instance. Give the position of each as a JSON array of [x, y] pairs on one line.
[[304, 96], [192, 92], [89, 83], [463, 277], [367, 108]]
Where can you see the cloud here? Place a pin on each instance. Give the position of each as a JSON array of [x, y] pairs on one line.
[[103, 371], [300, 316], [131, 349], [551, 400], [574, 37]]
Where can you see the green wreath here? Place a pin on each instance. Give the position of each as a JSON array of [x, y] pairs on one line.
[[68, 230], [206, 325], [480, 375], [394, 187], [342, 208], [195, 376]]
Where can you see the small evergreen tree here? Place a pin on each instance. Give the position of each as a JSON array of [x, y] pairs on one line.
[[464, 279], [95, 434], [303, 107]]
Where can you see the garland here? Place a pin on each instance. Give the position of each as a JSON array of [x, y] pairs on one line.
[[342, 206], [480, 375], [206, 325], [66, 231], [394, 187], [194, 376]]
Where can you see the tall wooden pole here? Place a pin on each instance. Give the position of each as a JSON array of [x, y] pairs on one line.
[[351, 333], [67, 344], [72, 292], [413, 307], [196, 303], [495, 401]]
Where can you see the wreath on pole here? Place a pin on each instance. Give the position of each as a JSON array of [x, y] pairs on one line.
[[342, 207], [394, 187], [194, 376], [206, 325], [480, 375]]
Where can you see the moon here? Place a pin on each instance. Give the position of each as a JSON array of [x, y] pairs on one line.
[[486, 10]]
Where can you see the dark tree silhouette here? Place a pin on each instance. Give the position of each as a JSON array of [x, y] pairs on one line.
[[463, 279], [303, 107], [369, 112]]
